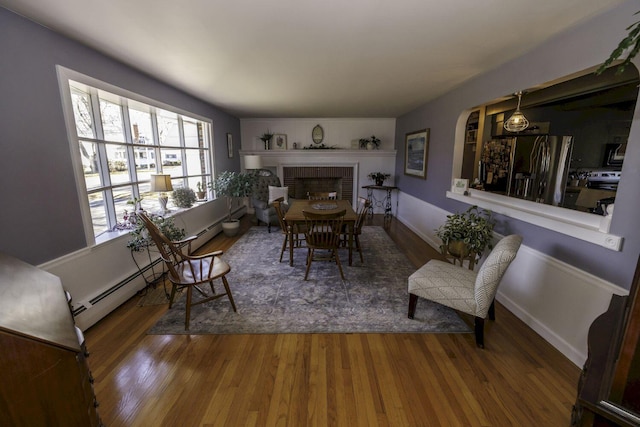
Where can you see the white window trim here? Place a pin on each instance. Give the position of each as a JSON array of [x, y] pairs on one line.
[[64, 75], [581, 225]]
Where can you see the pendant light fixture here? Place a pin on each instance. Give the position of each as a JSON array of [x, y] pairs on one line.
[[517, 122]]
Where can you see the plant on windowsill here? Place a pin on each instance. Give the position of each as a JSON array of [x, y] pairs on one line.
[[184, 197], [466, 234], [201, 193], [378, 177], [233, 185], [140, 237]]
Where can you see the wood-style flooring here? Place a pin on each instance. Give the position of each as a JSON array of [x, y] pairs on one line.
[[327, 379]]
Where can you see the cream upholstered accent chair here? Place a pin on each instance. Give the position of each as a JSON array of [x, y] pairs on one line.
[[463, 289]]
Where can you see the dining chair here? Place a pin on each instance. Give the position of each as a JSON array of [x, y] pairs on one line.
[[463, 289], [296, 229], [323, 195], [190, 271], [323, 231], [362, 211]]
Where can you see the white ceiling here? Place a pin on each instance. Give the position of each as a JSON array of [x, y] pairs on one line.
[[303, 58]]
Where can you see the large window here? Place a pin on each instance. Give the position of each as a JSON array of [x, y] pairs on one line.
[[121, 140]]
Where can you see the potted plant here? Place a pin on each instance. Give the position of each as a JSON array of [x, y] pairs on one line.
[[201, 193], [370, 143], [232, 185], [378, 177], [140, 238], [266, 138], [467, 233], [184, 197]]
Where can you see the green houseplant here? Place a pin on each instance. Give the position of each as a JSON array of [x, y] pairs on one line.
[[467, 232], [232, 185], [140, 238], [201, 193], [184, 197], [370, 143], [378, 177]]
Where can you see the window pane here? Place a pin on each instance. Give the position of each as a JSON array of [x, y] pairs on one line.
[[141, 127], [121, 198], [145, 158], [98, 213], [111, 121], [171, 158], [195, 162], [118, 164], [149, 200], [190, 132], [89, 156], [82, 112], [168, 130]]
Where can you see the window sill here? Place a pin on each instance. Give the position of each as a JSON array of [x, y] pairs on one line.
[[581, 225]]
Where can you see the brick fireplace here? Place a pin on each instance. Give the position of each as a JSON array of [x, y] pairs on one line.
[[304, 179]]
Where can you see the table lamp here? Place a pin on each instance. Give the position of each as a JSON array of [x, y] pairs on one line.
[[252, 162], [160, 184]]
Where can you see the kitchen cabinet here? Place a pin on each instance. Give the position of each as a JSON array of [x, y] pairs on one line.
[[45, 377]]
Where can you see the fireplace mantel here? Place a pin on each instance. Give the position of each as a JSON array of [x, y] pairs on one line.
[[363, 162]]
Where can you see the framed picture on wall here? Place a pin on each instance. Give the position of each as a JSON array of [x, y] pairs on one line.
[[279, 141], [416, 148], [229, 145]]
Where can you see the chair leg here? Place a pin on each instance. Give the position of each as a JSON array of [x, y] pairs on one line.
[[335, 254], [479, 324], [309, 259], [269, 227], [173, 294], [492, 310], [413, 301], [284, 247], [357, 239], [188, 308], [226, 287]]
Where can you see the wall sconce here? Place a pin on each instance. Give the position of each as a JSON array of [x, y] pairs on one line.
[[517, 122], [160, 184]]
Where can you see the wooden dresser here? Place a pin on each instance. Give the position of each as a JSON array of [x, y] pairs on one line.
[[45, 377]]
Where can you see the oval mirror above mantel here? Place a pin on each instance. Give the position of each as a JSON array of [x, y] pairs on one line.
[[317, 134]]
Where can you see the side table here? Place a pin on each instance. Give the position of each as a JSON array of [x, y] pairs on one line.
[[385, 201]]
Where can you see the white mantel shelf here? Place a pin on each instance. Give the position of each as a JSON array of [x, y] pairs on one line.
[[338, 152]]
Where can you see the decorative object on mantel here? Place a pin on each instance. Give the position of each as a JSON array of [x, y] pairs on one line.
[[378, 177], [266, 138], [280, 140], [370, 143], [317, 134], [320, 147], [466, 235]]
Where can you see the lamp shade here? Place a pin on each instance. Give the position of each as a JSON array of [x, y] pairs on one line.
[[161, 183], [252, 162]]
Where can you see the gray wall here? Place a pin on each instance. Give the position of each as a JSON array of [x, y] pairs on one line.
[[40, 211], [577, 49]]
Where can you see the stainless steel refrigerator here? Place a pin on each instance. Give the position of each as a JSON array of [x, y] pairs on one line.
[[531, 167]]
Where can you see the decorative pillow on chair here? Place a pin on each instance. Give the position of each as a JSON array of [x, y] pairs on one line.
[[275, 192]]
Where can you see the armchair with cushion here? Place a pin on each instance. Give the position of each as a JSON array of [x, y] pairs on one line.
[[261, 200], [463, 289]]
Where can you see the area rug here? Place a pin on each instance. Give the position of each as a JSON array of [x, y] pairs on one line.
[[272, 297]]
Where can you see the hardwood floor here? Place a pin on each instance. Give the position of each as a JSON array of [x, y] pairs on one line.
[[327, 379]]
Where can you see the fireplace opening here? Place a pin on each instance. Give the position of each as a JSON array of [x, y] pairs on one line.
[[305, 179]]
